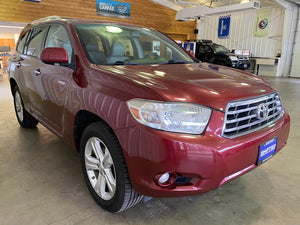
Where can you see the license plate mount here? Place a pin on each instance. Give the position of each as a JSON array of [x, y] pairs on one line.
[[267, 150]]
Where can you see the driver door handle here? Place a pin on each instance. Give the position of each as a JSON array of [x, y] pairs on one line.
[[18, 64], [37, 72]]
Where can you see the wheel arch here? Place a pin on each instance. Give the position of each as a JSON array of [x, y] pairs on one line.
[[13, 84], [82, 119]]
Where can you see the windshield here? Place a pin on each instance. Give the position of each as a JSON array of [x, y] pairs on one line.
[[105, 44], [219, 48]]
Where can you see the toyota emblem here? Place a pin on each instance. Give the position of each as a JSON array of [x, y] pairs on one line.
[[262, 111]]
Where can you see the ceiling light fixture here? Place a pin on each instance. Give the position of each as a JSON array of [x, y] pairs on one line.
[[5, 26]]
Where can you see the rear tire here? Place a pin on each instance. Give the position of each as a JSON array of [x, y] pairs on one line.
[[104, 169], [24, 118]]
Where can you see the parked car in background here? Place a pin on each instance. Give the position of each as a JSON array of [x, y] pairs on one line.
[[146, 122], [207, 51]]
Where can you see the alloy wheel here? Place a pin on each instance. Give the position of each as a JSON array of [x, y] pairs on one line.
[[19, 106], [100, 168]]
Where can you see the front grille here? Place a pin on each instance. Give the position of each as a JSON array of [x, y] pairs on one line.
[[249, 115]]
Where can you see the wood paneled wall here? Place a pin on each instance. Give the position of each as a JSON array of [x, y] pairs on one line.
[[143, 12], [6, 42]]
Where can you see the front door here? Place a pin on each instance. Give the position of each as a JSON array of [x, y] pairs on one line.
[[53, 80]]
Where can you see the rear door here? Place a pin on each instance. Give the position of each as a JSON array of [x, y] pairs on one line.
[[15, 70]]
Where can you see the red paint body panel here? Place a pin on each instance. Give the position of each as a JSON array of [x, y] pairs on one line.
[[54, 55], [197, 83], [213, 158], [57, 95]]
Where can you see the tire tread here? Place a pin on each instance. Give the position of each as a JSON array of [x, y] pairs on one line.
[[130, 197], [28, 120]]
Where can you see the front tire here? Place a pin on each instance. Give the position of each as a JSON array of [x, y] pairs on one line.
[[104, 169], [24, 118]]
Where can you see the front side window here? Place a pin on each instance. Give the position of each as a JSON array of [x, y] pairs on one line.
[[201, 50], [116, 45], [207, 49], [35, 42], [58, 37]]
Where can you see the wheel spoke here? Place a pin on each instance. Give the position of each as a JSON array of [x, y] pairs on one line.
[[110, 181], [100, 186], [91, 163], [97, 149], [107, 160]]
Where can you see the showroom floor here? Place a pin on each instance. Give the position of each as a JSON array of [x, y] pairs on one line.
[[41, 182]]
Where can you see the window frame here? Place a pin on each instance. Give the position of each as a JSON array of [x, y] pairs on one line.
[[72, 64], [46, 27], [28, 33]]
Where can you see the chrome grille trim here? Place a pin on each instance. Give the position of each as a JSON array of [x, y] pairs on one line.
[[241, 117]]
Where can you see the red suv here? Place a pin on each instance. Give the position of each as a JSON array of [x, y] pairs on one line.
[[146, 118]]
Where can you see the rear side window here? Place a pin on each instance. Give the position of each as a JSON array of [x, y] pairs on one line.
[[201, 50], [35, 41], [58, 37], [207, 49], [22, 41]]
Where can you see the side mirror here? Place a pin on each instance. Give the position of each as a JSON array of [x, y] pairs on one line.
[[54, 55]]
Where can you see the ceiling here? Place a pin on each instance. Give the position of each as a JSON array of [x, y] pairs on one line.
[[12, 27], [218, 3]]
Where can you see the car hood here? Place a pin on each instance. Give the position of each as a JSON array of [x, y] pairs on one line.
[[201, 83]]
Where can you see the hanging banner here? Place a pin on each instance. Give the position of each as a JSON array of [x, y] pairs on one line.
[[224, 26], [113, 8], [261, 28]]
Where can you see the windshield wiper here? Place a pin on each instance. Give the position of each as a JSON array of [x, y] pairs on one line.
[[172, 61], [124, 63]]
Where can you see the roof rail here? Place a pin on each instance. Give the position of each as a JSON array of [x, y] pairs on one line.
[[205, 41], [46, 19]]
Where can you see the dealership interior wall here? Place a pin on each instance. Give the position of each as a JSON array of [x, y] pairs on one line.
[[242, 29], [158, 17], [40, 175]]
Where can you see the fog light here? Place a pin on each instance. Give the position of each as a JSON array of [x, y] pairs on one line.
[[165, 180]]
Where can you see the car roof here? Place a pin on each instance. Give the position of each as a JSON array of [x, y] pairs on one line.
[[51, 19]]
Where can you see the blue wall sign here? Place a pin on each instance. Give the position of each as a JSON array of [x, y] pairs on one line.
[[224, 26], [113, 8], [36, 1]]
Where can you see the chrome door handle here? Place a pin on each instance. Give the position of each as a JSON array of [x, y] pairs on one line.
[[37, 72], [18, 64], [62, 83]]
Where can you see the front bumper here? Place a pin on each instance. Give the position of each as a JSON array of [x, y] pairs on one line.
[[240, 64], [209, 159], [243, 64]]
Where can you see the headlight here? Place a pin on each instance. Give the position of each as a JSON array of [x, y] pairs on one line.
[[233, 58], [170, 116]]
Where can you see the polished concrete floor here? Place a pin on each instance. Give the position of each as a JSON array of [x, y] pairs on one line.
[[41, 182]]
